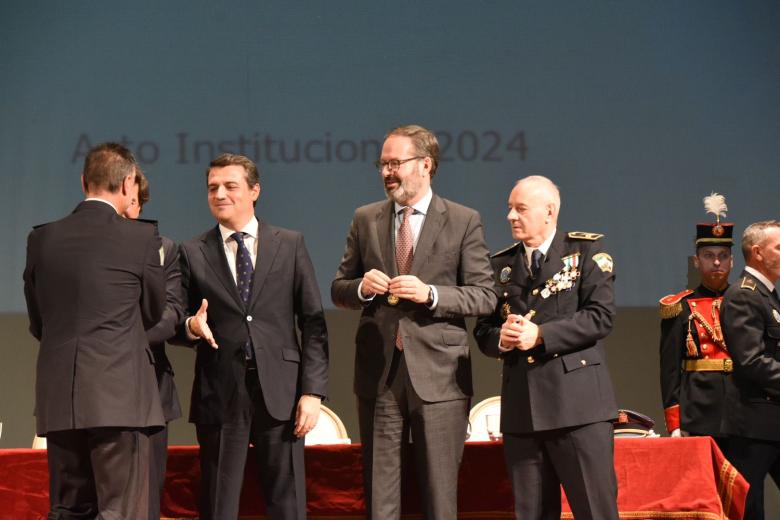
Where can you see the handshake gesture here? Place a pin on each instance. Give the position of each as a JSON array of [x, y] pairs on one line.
[[520, 332]]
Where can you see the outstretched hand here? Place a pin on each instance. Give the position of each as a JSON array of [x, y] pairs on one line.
[[199, 326]]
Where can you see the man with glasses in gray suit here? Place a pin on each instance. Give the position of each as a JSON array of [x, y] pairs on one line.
[[417, 265]]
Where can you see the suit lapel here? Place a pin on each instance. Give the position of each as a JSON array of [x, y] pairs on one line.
[[214, 252], [267, 248], [434, 220], [384, 233]]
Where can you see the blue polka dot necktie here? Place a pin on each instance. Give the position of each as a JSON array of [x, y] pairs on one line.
[[244, 276]]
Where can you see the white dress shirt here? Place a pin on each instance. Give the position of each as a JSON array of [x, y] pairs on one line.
[[250, 231]]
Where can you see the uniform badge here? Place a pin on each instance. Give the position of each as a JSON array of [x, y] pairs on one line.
[[776, 315], [503, 276], [747, 283], [393, 299], [604, 261], [162, 255], [505, 310]]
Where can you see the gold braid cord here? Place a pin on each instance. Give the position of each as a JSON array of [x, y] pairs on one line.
[[715, 332], [690, 345], [715, 311]]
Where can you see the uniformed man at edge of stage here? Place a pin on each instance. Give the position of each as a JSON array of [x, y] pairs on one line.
[[694, 358]]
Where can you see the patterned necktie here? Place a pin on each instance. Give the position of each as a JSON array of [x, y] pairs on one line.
[[404, 243], [404, 255], [536, 262], [244, 276]]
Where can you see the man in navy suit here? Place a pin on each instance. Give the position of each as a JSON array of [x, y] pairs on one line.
[[251, 289]]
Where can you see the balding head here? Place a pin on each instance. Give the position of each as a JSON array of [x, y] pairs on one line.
[[534, 204]]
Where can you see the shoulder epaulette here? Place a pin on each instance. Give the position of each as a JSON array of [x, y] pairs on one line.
[[585, 235], [670, 306], [748, 283], [505, 250]]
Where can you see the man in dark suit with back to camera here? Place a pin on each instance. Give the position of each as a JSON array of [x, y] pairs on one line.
[[157, 336], [93, 283], [417, 265], [248, 284], [556, 304], [751, 326]]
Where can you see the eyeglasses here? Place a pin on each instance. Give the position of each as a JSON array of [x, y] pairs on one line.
[[394, 164]]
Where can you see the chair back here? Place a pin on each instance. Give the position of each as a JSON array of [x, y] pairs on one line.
[[39, 443], [329, 429], [484, 420]]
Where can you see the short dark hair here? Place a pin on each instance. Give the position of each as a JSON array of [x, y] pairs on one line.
[[143, 187], [106, 167], [229, 159], [425, 142]]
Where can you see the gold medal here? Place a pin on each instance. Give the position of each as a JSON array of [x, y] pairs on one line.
[[505, 310], [393, 299]]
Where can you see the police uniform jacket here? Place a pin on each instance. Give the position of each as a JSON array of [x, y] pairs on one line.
[[751, 325], [564, 381], [693, 399]]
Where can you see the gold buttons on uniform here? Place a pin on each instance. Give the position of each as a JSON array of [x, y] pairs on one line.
[[583, 362], [530, 360]]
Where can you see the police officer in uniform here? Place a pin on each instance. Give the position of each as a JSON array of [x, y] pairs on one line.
[[751, 325], [695, 361], [556, 304]]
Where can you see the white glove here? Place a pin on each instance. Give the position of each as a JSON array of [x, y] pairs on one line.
[[678, 433]]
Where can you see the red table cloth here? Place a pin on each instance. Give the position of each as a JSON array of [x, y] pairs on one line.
[[662, 478]]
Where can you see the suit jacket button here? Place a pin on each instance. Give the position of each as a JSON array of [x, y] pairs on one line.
[[249, 318], [530, 359], [583, 362]]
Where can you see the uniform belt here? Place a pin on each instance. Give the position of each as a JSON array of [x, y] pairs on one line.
[[708, 365]]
